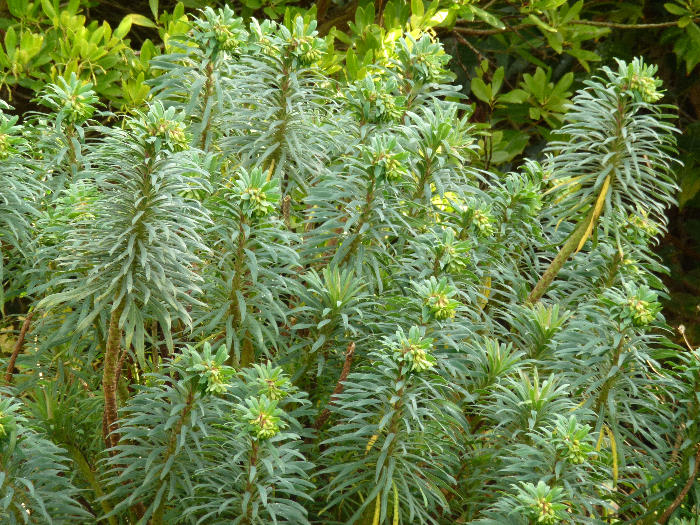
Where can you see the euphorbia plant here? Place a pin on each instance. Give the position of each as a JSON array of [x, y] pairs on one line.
[[275, 296]]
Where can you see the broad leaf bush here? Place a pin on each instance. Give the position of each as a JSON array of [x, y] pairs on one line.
[[270, 296]]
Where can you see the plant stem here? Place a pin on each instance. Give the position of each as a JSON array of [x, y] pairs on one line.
[[208, 91], [556, 265], [588, 224], [323, 416], [89, 476], [247, 351], [250, 483], [364, 216], [109, 376], [684, 491], [485, 32], [157, 518], [18, 347], [282, 117], [605, 390], [426, 174], [617, 259]]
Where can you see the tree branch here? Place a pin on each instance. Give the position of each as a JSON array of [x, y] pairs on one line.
[[339, 21], [614, 25], [322, 9], [483, 32]]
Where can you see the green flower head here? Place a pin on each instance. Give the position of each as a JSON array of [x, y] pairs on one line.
[[372, 100], [573, 440], [640, 81], [437, 298], [385, 159], [542, 503], [423, 60], [412, 349], [641, 226], [219, 30], [638, 309], [258, 195], [163, 128], [636, 306], [73, 100], [272, 382], [482, 221], [642, 306], [452, 254], [262, 417], [210, 372], [302, 44], [263, 37]]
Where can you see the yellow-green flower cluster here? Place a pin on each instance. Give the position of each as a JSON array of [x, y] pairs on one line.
[[440, 306], [542, 503], [4, 145], [307, 49], [257, 195], [576, 454], [163, 128], [631, 267], [215, 382], [452, 254], [573, 440], [171, 131], [422, 60], [373, 100], [545, 512], [646, 86], [219, 31], [264, 426], [413, 350], [210, 371], [76, 108], [640, 312], [227, 39], [302, 45], [393, 169], [640, 80], [483, 222], [272, 382], [72, 99], [437, 299], [642, 223], [262, 417], [641, 306], [384, 157]]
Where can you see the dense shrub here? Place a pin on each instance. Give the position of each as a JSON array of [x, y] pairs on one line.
[[268, 296]]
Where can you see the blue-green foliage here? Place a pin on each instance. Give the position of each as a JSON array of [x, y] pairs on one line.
[[322, 306]]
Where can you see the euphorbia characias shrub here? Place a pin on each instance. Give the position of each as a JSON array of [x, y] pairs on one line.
[[269, 296]]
